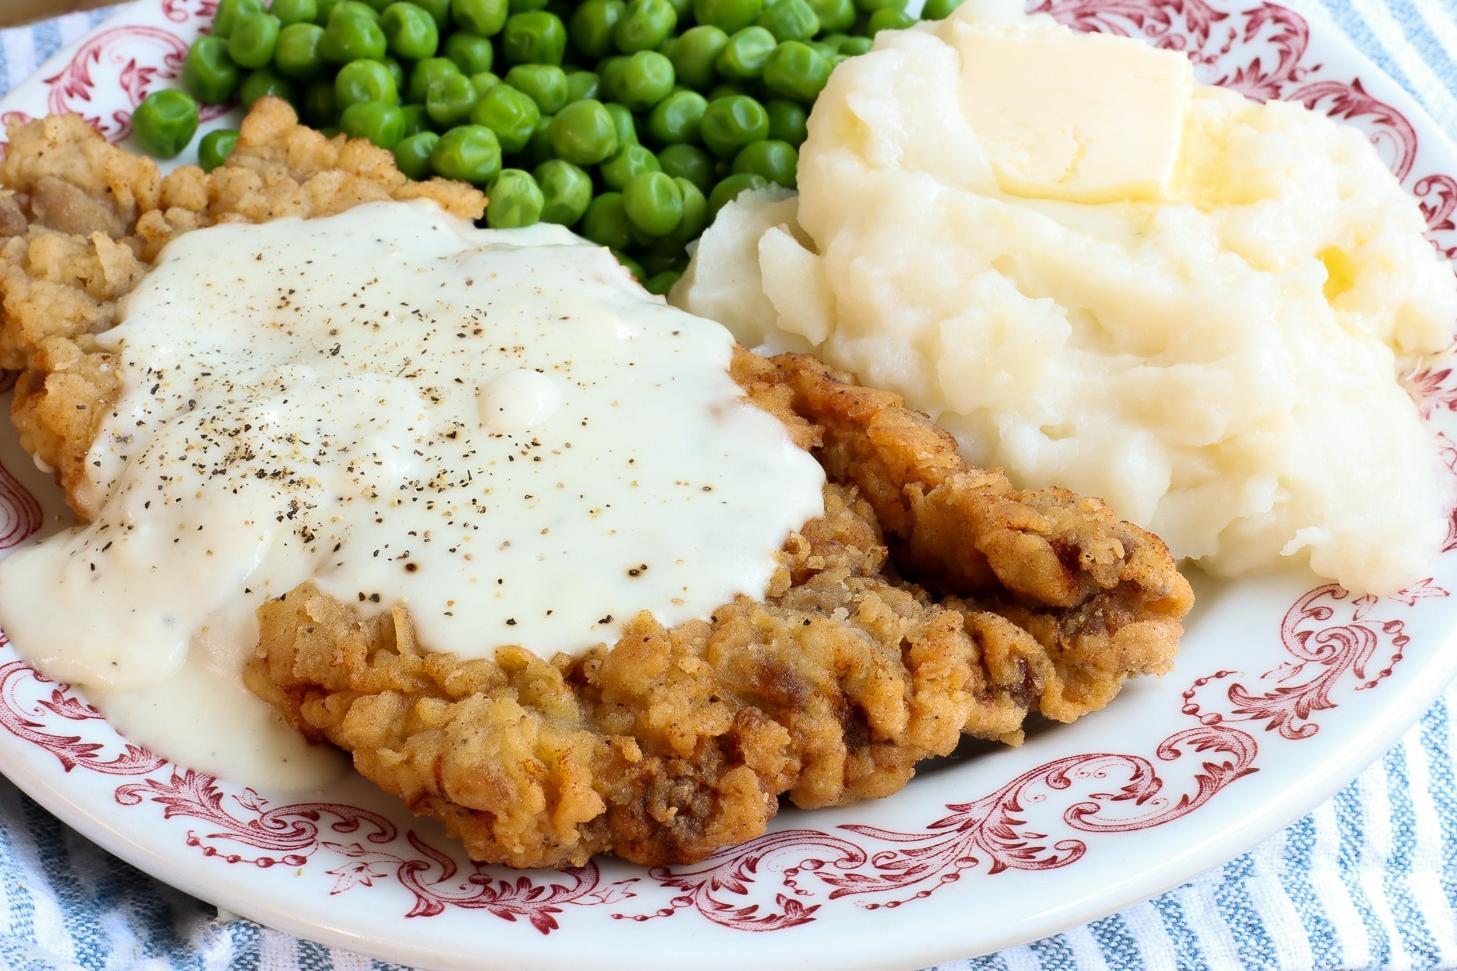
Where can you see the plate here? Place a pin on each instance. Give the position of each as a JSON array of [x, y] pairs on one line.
[[1285, 688]]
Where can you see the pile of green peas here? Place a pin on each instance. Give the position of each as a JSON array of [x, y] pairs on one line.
[[632, 121]]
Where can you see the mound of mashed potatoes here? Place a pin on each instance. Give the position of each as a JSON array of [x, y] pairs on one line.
[[1100, 274]]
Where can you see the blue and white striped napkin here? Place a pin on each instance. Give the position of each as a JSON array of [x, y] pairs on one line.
[[1367, 880]]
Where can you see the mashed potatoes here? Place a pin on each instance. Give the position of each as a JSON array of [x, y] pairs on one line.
[[1203, 328]]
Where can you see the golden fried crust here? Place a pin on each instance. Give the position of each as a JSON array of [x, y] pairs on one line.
[[1102, 598], [671, 744], [966, 529], [81, 221], [665, 747]]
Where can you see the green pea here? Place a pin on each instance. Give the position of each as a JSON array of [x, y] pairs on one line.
[[661, 283], [294, 11], [796, 70], [472, 53], [426, 73], [534, 37], [744, 56], [855, 46], [165, 122], [298, 53], [591, 27], [326, 10], [939, 9], [888, 18], [631, 265], [834, 15], [450, 100], [583, 133], [790, 20], [582, 85], [416, 119], [351, 36], [653, 202], [354, 8], [725, 91], [693, 55], [469, 153], [253, 38], [412, 154], [215, 148], [397, 73], [695, 212], [321, 105], [623, 123], [484, 81], [376, 5], [508, 113], [727, 15], [683, 10], [265, 83], [439, 11], [644, 25], [379, 121], [645, 80], [688, 162], [661, 254], [729, 188], [546, 84], [626, 162], [731, 123], [516, 200], [229, 12], [773, 159], [567, 191], [605, 222], [361, 81], [483, 17], [610, 71], [409, 30], [677, 117], [538, 146], [787, 121], [209, 74]]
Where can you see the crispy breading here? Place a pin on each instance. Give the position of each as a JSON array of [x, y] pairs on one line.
[[1100, 595], [81, 221], [931, 599], [671, 744]]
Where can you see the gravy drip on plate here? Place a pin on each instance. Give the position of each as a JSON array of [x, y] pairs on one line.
[[499, 429]]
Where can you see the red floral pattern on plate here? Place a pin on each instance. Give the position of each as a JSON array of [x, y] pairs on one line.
[[1041, 820], [782, 879]]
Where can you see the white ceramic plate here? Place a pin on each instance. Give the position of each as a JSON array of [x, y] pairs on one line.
[[1285, 688]]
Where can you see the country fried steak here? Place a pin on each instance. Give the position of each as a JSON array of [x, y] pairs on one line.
[[931, 600]]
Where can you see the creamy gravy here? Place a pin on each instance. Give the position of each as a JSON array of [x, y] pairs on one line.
[[499, 429]]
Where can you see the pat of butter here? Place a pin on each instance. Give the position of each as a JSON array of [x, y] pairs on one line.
[[1082, 118]]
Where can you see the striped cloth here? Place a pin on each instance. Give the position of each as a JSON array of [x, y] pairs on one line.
[[1367, 880]]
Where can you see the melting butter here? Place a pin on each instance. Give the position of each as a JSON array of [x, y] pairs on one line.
[[499, 429]]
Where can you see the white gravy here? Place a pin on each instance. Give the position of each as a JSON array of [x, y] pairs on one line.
[[498, 429]]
